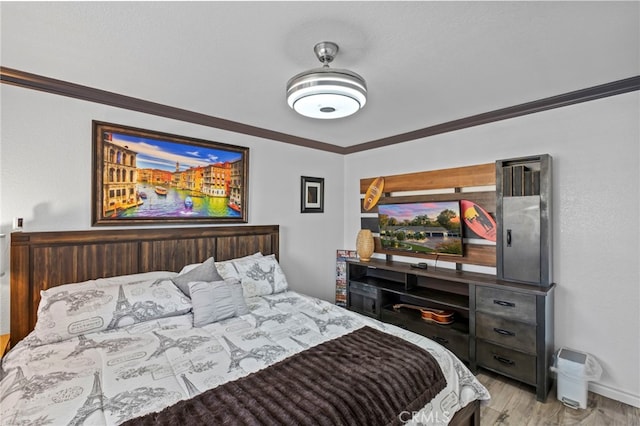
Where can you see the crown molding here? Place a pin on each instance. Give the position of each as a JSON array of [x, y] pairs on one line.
[[90, 94], [584, 95], [64, 88]]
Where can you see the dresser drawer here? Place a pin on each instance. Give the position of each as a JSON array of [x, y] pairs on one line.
[[512, 363], [509, 333], [506, 304], [452, 339]]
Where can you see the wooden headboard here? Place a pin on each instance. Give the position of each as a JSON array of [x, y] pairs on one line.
[[41, 260]]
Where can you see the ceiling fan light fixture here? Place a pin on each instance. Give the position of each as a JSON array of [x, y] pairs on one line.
[[326, 93]]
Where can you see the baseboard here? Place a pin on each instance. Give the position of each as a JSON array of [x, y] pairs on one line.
[[616, 394]]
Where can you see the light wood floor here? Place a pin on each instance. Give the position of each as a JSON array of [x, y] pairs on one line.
[[514, 404]]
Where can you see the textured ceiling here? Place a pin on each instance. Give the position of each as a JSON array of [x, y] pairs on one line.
[[425, 63]]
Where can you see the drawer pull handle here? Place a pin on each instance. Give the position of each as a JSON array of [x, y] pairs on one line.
[[503, 303], [504, 332], [440, 340], [503, 360]]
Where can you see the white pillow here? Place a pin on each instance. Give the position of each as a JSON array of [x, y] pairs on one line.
[[258, 276], [188, 268], [69, 310], [217, 300], [191, 266], [134, 278], [227, 270]]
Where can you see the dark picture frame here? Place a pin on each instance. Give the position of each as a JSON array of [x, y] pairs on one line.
[[147, 177], [312, 194]]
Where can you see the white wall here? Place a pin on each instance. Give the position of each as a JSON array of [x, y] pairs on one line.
[[45, 177], [596, 199], [45, 170]]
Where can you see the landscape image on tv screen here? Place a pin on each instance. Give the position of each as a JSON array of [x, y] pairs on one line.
[[425, 227]]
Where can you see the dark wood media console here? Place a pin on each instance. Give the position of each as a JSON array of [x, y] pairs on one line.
[[502, 326], [503, 322]]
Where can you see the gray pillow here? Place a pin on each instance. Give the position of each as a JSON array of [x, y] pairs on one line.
[[205, 272], [217, 300]]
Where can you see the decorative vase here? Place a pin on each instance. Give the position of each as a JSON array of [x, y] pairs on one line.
[[364, 245]]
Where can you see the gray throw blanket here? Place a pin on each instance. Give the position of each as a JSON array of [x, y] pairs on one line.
[[366, 377]]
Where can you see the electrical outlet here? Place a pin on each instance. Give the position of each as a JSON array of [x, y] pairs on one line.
[[18, 223]]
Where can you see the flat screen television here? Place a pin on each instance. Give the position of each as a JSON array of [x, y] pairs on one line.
[[421, 227]]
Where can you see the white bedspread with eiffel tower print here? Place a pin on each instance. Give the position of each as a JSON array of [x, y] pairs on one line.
[[107, 377]]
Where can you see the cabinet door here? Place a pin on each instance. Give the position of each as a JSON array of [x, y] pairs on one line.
[[363, 299], [521, 239]]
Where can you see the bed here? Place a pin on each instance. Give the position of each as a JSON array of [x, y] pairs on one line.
[[201, 326]]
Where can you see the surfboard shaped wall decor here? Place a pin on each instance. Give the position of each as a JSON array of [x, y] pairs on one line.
[[478, 220], [373, 194]]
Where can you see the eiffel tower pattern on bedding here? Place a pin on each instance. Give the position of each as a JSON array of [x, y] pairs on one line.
[[115, 374]]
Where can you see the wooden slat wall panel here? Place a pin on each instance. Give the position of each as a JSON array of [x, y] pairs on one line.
[[459, 177], [474, 254], [485, 199], [454, 179]]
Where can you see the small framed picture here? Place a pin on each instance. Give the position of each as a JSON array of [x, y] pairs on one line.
[[312, 195]]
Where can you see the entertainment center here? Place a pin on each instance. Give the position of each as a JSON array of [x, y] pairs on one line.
[[502, 322]]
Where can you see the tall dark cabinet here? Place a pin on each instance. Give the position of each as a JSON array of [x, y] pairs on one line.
[[523, 255], [524, 248]]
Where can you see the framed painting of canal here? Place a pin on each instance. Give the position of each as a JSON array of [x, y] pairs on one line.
[[146, 177]]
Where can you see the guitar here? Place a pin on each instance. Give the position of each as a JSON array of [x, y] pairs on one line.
[[432, 315]]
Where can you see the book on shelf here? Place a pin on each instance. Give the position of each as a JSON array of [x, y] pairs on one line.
[[507, 181]]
